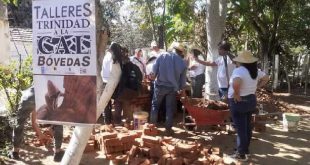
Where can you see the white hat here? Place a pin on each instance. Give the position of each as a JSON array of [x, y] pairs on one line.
[[153, 44], [245, 57]]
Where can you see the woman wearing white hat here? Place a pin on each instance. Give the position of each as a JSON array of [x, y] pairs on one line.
[[242, 99]]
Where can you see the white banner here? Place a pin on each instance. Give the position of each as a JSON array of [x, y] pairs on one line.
[[64, 37], [64, 60]]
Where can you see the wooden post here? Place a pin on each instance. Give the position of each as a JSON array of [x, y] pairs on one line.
[[81, 134]]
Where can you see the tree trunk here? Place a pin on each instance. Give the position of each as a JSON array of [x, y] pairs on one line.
[[298, 67], [286, 71], [275, 72], [295, 67], [263, 50], [81, 134], [216, 14], [307, 73], [149, 6]]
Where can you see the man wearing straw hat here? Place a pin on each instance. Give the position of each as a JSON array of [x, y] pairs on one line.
[[244, 81], [169, 72]]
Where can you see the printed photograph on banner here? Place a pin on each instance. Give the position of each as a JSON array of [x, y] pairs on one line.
[[64, 37], [68, 99]]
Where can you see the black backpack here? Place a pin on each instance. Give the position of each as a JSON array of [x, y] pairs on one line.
[[131, 78]]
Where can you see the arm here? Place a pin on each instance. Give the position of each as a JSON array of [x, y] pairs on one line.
[[263, 81], [155, 69], [236, 86], [207, 63], [36, 128]]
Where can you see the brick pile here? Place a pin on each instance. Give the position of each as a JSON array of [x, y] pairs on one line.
[[144, 147]]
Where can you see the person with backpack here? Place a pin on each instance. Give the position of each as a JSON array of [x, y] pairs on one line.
[[225, 67], [127, 89], [169, 73]]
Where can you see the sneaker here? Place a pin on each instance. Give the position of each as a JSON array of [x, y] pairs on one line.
[[239, 157], [13, 155], [247, 154], [58, 156]]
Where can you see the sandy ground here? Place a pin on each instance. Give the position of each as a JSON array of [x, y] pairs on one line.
[[274, 146]]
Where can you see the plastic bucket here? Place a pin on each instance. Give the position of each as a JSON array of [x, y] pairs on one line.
[[139, 119], [290, 122]]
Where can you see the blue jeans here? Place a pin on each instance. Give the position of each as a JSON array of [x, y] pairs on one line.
[[241, 113], [168, 94], [222, 92], [197, 84]]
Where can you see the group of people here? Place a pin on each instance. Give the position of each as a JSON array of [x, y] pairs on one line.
[[237, 77]]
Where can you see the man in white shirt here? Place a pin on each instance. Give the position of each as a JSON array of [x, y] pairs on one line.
[[153, 55], [225, 67], [137, 60]]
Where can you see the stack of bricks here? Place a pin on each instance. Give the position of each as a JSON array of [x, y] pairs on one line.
[[189, 151], [91, 145], [150, 130], [134, 149], [114, 144]]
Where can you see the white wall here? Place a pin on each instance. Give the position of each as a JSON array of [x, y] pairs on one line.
[[4, 35]]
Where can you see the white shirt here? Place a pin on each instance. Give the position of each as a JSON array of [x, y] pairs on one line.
[[248, 85], [149, 67], [221, 71], [154, 53], [200, 69], [106, 67], [139, 62]]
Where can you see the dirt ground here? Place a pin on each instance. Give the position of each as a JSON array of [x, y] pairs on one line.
[[274, 146]]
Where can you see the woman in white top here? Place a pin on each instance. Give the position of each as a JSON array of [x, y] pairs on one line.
[[114, 55], [242, 99]]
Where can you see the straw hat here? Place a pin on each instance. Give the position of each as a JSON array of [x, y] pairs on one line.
[[245, 57], [178, 46]]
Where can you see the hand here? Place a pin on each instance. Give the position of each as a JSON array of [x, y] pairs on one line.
[[182, 93], [152, 76], [44, 139], [237, 98]]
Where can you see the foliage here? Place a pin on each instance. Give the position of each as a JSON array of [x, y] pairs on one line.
[[5, 136], [13, 79], [15, 2]]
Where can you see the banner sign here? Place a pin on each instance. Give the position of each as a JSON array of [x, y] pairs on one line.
[[64, 60]]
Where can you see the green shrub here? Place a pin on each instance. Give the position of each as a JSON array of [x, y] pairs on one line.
[[13, 79]]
